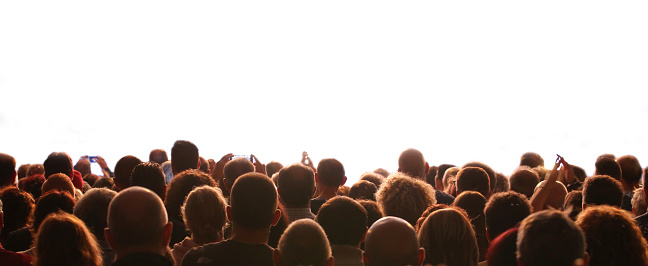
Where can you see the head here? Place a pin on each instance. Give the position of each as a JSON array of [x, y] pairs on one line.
[[204, 214], [158, 156], [149, 175], [253, 202], [557, 194], [303, 243], [472, 202], [405, 197], [18, 207], [296, 186], [123, 170], [90, 179], [473, 179], [105, 182], [373, 211], [179, 188], [438, 179], [639, 202], [343, 191], [35, 169], [550, 238], [448, 238], [184, 156], [235, 168], [51, 202], [83, 166], [449, 179], [502, 184], [137, 222], [330, 172], [609, 167], [344, 220], [381, 171], [412, 163], [58, 162], [491, 173], [58, 182], [22, 170], [92, 209], [377, 179], [602, 190], [579, 172], [630, 170], [504, 211], [204, 165], [363, 190], [501, 251], [524, 180], [431, 209], [392, 241], [63, 239], [430, 176], [273, 167], [531, 159], [574, 200]]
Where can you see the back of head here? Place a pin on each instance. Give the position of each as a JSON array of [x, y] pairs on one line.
[[549, 238], [296, 185], [609, 167], [612, 236], [63, 239], [35, 169], [448, 238], [602, 190], [412, 163], [405, 197], [449, 179], [630, 169], [330, 172], [158, 156], [184, 155], [473, 179], [574, 200], [58, 181], [501, 251], [51, 202], [92, 209], [557, 194], [504, 211], [235, 168], [7, 170], [579, 172], [253, 201], [363, 190], [441, 172], [179, 188], [531, 159], [18, 207], [58, 162], [524, 181], [83, 166], [136, 219], [381, 171], [391, 241], [204, 165], [22, 169], [105, 182], [377, 179], [502, 184], [491, 173], [303, 243], [123, 170], [373, 211], [430, 177], [344, 220], [204, 213], [149, 175], [273, 167], [472, 202]]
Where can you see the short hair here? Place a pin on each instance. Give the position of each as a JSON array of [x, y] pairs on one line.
[[90, 179], [541, 171], [638, 201], [344, 220], [158, 156], [7, 169], [431, 209], [136, 218], [501, 251], [602, 190], [474, 179], [381, 171], [613, 237], [330, 172], [105, 182], [83, 166], [574, 200], [184, 155], [579, 172], [51, 202], [531, 159], [124, 169], [57, 162], [235, 168], [441, 172], [549, 238], [405, 197], [58, 181], [609, 167], [630, 169], [149, 175], [304, 243], [33, 185], [363, 190], [253, 201], [179, 188], [377, 179], [430, 177], [296, 185], [343, 190], [18, 207], [204, 212], [63, 239], [412, 163], [92, 209], [504, 211], [273, 167], [448, 238], [524, 181], [35, 169], [502, 184], [491, 173], [22, 170], [373, 211], [204, 165]]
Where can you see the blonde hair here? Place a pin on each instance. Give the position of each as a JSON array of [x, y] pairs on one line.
[[204, 213], [63, 239], [448, 237]]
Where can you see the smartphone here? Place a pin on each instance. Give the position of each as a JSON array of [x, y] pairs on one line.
[[248, 157], [93, 159]]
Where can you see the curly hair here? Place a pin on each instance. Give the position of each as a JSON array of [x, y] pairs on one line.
[[18, 208], [405, 197]]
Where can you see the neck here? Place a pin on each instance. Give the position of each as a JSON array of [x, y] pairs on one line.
[[630, 187], [326, 192], [250, 236]]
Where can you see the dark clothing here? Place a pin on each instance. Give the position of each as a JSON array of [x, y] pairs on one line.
[[316, 204], [626, 204], [143, 259], [642, 222], [229, 253], [443, 198], [19, 240], [179, 231], [14, 259]]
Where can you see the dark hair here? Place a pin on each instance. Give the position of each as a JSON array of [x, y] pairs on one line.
[[123, 170], [501, 251], [7, 169], [158, 156], [531, 159], [574, 200], [17, 207], [363, 190], [602, 190], [373, 211], [430, 177], [179, 188], [273, 167], [235, 168], [474, 203], [57, 162], [330, 172], [90, 178], [296, 184], [184, 155], [491, 173], [149, 175], [505, 210], [344, 220], [253, 201], [442, 169], [609, 167], [524, 181], [375, 178], [51, 202], [106, 182], [579, 172], [630, 169], [474, 179]]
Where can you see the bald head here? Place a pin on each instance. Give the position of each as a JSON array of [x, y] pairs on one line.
[[412, 162], [392, 241], [159, 156], [557, 192]]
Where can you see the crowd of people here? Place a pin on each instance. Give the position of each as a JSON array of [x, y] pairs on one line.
[[188, 210]]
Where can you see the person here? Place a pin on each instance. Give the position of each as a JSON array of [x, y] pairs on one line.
[[549, 237], [438, 178], [473, 179], [474, 203], [642, 220], [7, 170], [531, 160], [17, 210], [273, 167], [9, 257], [63, 239], [639, 202], [381, 171], [149, 175], [431, 175], [83, 166], [60, 182], [504, 211], [550, 193], [252, 211], [502, 183], [405, 197], [373, 211], [612, 237], [328, 178], [204, 214], [235, 168], [609, 167], [501, 251], [574, 201], [303, 243], [630, 177], [377, 179], [22, 171], [345, 222], [92, 209], [34, 180], [363, 190], [60, 162], [602, 190], [138, 228], [158, 156], [184, 156], [449, 180], [448, 238], [412, 163], [392, 241], [296, 187], [123, 170], [492, 179], [524, 180]]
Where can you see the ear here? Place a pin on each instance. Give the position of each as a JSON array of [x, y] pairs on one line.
[[228, 211], [344, 181], [330, 261], [109, 238], [276, 217], [168, 229], [275, 257], [427, 168], [421, 256]]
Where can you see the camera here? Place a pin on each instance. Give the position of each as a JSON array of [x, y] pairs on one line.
[[93, 159]]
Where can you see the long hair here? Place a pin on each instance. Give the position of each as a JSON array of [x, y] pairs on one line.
[[63, 239], [448, 238]]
